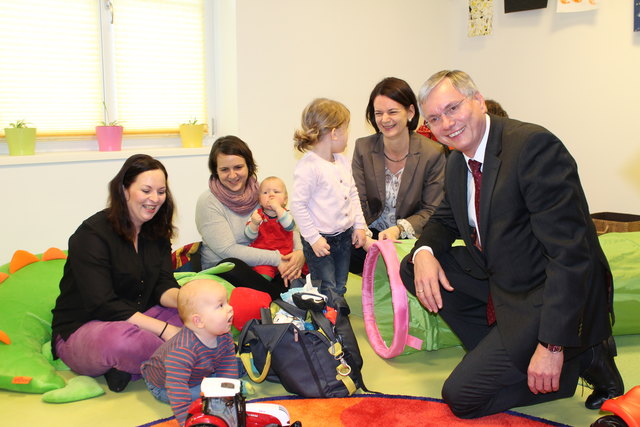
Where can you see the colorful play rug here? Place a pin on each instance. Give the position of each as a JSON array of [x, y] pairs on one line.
[[382, 410]]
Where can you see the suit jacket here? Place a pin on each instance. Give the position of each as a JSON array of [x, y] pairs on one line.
[[548, 277], [421, 187]]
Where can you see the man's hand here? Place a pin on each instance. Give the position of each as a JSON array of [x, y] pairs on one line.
[[544, 370], [428, 277]]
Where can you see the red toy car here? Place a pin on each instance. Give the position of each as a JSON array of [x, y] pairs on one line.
[[223, 405]]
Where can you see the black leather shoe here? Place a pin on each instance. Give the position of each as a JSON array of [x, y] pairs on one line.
[[603, 374]]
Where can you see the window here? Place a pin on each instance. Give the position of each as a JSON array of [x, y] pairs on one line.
[[63, 58]]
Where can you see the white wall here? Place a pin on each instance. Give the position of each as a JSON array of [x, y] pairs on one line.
[[576, 74], [43, 204]]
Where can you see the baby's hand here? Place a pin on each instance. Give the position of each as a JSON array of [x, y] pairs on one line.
[[321, 247], [256, 219], [276, 207], [358, 238]]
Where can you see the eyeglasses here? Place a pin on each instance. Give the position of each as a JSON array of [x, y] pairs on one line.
[[450, 111]]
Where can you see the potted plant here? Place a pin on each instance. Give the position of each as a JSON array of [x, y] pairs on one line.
[[21, 138], [109, 133], [191, 133]]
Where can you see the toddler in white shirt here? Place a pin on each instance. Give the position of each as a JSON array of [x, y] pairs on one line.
[[325, 203]]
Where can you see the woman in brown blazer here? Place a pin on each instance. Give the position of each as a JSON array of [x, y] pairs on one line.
[[399, 173]]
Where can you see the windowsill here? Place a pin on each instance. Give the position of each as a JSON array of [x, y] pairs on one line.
[[59, 151]]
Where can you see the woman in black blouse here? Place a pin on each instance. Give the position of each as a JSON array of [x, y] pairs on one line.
[[118, 293]]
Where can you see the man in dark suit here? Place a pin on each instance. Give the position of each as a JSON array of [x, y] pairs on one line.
[[530, 294]]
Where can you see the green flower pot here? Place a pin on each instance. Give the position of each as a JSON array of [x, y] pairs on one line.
[[22, 141]]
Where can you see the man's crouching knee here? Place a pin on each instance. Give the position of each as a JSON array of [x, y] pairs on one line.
[[463, 402]]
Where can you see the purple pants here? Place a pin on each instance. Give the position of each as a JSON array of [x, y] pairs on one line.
[[99, 346]]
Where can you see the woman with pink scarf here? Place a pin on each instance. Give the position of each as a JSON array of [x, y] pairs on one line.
[[222, 213]]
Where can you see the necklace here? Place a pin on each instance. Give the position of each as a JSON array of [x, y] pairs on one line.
[[394, 160]]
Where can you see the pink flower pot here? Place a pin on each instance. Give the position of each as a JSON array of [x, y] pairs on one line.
[[109, 138]]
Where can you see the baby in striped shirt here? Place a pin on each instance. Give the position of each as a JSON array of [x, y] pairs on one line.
[[203, 348]]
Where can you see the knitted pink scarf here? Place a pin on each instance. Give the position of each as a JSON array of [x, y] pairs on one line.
[[241, 203]]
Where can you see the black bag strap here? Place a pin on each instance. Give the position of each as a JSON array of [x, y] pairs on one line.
[[326, 327], [321, 322], [291, 309], [244, 338], [265, 316]]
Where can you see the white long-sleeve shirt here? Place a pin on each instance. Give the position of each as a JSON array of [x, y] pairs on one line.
[[325, 199]]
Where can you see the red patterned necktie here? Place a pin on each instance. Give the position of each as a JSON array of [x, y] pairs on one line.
[[477, 180]]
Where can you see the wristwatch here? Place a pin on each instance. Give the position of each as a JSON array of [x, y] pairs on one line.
[[552, 347]]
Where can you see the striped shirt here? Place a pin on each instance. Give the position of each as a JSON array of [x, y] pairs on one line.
[[182, 363]]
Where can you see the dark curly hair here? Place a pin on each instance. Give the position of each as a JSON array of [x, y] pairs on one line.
[[161, 225]]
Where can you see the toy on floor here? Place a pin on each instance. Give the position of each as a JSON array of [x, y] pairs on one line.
[[626, 410], [29, 286], [223, 405], [28, 289], [391, 314]]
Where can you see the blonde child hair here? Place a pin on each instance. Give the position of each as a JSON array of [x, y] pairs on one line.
[[274, 178], [194, 295], [318, 118]]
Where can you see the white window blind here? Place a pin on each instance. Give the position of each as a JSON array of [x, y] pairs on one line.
[[60, 61], [159, 63], [50, 72]]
